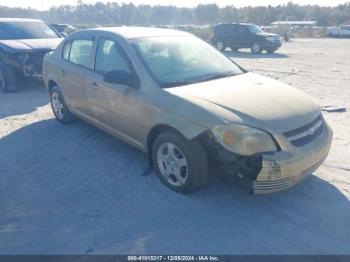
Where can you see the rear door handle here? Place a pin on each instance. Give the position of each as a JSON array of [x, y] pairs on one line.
[[63, 72]]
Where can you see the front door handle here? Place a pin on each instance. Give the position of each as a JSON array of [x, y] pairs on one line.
[[63, 72]]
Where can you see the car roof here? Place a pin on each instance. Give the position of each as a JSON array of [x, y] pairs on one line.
[[139, 32], [19, 20], [234, 24]]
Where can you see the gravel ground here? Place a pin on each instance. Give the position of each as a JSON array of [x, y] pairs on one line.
[[76, 190]]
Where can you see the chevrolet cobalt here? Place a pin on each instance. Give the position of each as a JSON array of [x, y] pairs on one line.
[[188, 106]]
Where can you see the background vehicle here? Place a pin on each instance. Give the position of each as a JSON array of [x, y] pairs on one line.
[[64, 29], [339, 31], [23, 44], [239, 35], [184, 103]]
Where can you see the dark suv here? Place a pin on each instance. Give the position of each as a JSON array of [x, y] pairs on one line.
[[240, 35]]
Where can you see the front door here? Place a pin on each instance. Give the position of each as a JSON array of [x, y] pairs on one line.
[[115, 106], [245, 37]]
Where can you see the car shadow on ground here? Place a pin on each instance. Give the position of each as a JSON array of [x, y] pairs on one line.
[[26, 99], [239, 54], [72, 189]]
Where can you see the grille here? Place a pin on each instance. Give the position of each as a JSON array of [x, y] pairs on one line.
[[306, 134]]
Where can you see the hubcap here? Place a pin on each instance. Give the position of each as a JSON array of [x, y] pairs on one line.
[[256, 48], [219, 45], [57, 105], [172, 164]]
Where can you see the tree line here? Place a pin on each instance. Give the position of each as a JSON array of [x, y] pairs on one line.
[[130, 14]]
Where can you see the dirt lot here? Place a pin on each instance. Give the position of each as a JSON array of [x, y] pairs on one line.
[[74, 189]]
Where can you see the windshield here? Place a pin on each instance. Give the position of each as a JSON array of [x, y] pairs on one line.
[[181, 60], [26, 30], [255, 29]]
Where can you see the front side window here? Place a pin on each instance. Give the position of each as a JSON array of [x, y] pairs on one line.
[[26, 30], [109, 57], [181, 60], [80, 52]]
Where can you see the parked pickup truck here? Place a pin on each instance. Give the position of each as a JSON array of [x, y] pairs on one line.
[[23, 44]]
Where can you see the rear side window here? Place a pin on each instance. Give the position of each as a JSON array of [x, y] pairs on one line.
[[109, 57], [226, 30], [80, 52], [243, 30], [66, 50]]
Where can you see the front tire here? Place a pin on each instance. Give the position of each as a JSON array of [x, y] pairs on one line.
[[256, 48], [270, 51], [59, 106], [180, 164], [7, 78]]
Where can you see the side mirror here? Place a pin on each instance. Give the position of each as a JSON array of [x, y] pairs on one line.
[[121, 77]]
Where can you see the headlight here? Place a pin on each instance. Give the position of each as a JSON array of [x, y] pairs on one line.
[[271, 39], [244, 140]]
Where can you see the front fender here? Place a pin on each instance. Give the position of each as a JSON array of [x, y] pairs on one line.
[[153, 117]]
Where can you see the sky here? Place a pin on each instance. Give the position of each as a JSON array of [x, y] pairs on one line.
[[46, 4]]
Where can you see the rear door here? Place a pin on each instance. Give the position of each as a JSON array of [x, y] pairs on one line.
[[232, 36], [115, 106], [76, 63], [228, 34]]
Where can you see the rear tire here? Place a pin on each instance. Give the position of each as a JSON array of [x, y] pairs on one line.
[[7, 78], [181, 165], [59, 106], [256, 48], [220, 45]]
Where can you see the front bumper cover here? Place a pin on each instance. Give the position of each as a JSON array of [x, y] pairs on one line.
[[282, 170], [272, 44], [270, 172]]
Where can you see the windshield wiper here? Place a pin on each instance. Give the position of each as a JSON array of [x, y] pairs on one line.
[[214, 76], [197, 80], [178, 83]]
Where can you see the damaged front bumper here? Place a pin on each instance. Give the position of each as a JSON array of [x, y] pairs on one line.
[[282, 170], [275, 171], [32, 64]]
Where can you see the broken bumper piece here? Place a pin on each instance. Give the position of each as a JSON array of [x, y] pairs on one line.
[[286, 168]]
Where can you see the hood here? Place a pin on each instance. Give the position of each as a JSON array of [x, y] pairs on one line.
[[252, 100], [20, 45]]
